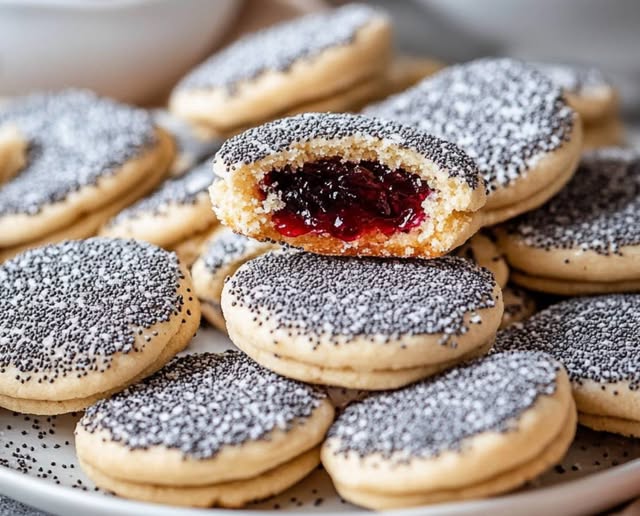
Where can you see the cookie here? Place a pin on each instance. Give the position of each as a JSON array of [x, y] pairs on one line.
[[605, 133], [288, 65], [482, 249], [586, 239], [347, 184], [507, 116], [178, 210], [519, 305], [192, 145], [208, 429], [360, 323], [101, 151], [83, 319], [222, 254], [406, 71], [13, 151], [586, 89], [475, 431], [190, 249], [597, 340]]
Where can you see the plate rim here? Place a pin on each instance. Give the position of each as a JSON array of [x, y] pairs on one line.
[[612, 483]]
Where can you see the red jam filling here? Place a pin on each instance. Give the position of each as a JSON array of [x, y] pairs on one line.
[[345, 199]]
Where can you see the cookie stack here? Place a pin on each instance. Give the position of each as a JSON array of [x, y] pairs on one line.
[[335, 60], [176, 216], [594, 98], [76, 159]]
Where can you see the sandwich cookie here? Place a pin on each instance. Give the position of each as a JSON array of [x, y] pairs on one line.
[[104, 154], [84, 319], [518, 305], [178, 210], [597, 339], [360, 323], [222, 254], [585, 240], [507, 116], [478, 430], [207, 430], [406, 71], [482, 249], [606, 133], [286, 68], [347, 184]]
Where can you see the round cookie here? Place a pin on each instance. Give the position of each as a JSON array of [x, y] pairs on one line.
[[222, 254], [586, 89], [287, 65], [100, 150], [478, 430], [587, 238], [208, 429], [360, 323], [482, 249], [518, 305], [597, 340], [507, 116], [406, 71], [179, 209], [13, 151], [348, 184], [84, 319], [605, 133]]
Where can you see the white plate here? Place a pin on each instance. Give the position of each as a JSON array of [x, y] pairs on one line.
[[40, 469]]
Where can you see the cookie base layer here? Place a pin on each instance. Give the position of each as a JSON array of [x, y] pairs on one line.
[[175, 345], [21, 228], [232, 494], [492, 216], [212, 312], [188, 250], [500, 483], [351, 378], [613, 425], [572, 288], [89, 224], [605, 133]]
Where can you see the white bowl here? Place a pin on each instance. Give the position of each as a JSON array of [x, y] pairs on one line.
[[133, 50]]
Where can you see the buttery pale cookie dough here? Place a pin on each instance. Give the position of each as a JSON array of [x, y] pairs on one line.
[[347, 184], [99, 149], [587, 238], [178, 210], [222, 254], [13, 152], [606, 133], [597, 339], [482, 249], [478, 430], [285, 66], [83, 319], [360, 323], [518, 305], [208, 429], [507, 116]]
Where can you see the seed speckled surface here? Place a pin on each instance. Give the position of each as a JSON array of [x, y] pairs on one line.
[[68, 308], [581, 80], [183, 190], [227, 248], [343, 298], [595, 338], [503, 113], [277, 48], [599, 210], [75, 138], [440, 413], [199, 404], [279, 135]]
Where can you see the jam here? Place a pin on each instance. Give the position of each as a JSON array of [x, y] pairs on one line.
[[345, 199]]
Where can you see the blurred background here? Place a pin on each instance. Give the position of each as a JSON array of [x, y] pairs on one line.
[[136, 50]]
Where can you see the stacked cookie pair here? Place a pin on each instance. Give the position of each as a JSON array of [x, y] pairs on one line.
[[71, 161]]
